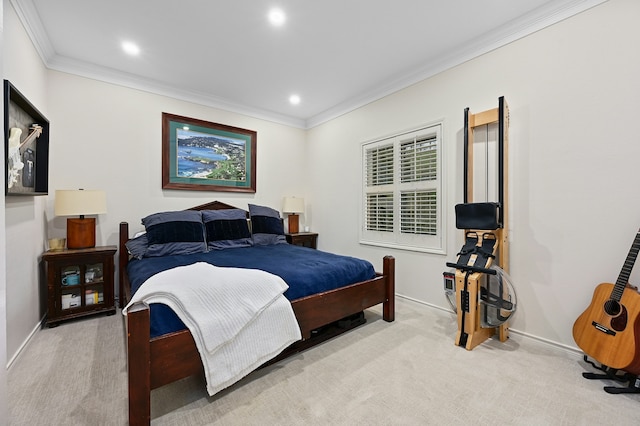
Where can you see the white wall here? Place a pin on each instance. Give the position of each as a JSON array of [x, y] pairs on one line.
[[25, 221], [573, 93], [110, 137]]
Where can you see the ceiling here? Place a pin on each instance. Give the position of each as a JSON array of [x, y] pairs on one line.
[[336, 55]]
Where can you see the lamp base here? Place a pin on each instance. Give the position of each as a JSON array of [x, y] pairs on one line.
[[294, 223], [81, 233]]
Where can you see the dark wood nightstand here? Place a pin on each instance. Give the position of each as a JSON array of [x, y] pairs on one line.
[[305, 239], [79, 283]]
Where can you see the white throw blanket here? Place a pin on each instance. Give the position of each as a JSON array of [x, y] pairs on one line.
[[238, 317]]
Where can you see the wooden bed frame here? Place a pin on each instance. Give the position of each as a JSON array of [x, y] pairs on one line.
[[162, 360]]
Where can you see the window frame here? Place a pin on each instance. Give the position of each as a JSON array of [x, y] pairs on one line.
[[396, 238]]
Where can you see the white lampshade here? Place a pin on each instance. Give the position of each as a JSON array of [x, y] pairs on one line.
[[80, 202], [293, 205]]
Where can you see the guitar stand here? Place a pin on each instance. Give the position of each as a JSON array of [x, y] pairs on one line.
[[485, 230], [633, 381]]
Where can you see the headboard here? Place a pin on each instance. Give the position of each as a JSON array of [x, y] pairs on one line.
[[123, 255], [214, 205]]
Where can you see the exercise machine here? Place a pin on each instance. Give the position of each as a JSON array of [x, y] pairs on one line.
[[484, 295]]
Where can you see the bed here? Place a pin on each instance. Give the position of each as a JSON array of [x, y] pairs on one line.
[[166, 355]]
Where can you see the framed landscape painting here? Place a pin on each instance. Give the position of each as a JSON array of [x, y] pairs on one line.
[[204, 156]]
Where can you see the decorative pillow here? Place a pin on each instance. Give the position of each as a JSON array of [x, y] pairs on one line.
[[137, 246], [266, 226], [179, 232], [226, 229]]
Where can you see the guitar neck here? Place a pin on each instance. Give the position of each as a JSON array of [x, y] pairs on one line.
[[625, 273], [36, 130]]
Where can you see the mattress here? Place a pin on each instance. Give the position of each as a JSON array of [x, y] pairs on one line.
[[306, 271]]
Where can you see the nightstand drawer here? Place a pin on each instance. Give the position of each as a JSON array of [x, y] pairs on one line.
[[305, 239]]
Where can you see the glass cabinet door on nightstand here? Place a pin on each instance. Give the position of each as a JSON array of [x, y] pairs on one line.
[[94, 284], [70, 288], [79, 283]]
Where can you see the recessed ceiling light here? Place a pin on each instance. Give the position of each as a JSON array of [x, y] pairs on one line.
[[277, 17], [294, 99], [130, 48]]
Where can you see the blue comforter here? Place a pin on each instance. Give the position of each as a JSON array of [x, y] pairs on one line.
[[306, 271]]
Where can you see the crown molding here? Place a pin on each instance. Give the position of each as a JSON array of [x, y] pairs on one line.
[[545, 16], [28, 15], [109, 75]]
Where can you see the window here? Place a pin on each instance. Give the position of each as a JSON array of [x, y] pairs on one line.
[[402, 191]]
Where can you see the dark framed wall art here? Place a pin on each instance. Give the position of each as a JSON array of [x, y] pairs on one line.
[[26, 145], [205, 156]]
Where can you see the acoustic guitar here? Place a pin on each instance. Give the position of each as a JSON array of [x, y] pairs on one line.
[[609, 329]]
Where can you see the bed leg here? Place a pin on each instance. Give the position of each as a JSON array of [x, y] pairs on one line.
[[389, 271], [123, 258], [139, 365]]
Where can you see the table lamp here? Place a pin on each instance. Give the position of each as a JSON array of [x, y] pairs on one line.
[[81, 232], [293, 206]]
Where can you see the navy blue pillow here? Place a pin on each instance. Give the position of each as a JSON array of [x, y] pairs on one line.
[[226, 229], [137, 247], [266, 226], [179, 232]]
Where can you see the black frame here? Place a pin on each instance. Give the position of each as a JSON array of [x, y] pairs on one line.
[[13, 100]]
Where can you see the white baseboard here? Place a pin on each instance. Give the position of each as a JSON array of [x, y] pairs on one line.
[[571, 349], [25, 343]]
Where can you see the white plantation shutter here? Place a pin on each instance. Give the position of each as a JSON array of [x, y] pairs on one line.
[[379, 166], [379, 174], [418, 212], [380, 212], [402, 204], [418, 159]]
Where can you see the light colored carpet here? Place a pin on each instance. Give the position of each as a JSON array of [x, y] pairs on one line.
[[404, 373]]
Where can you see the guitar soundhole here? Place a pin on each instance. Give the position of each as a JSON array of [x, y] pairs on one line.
[[619, 314], [611, 307]]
